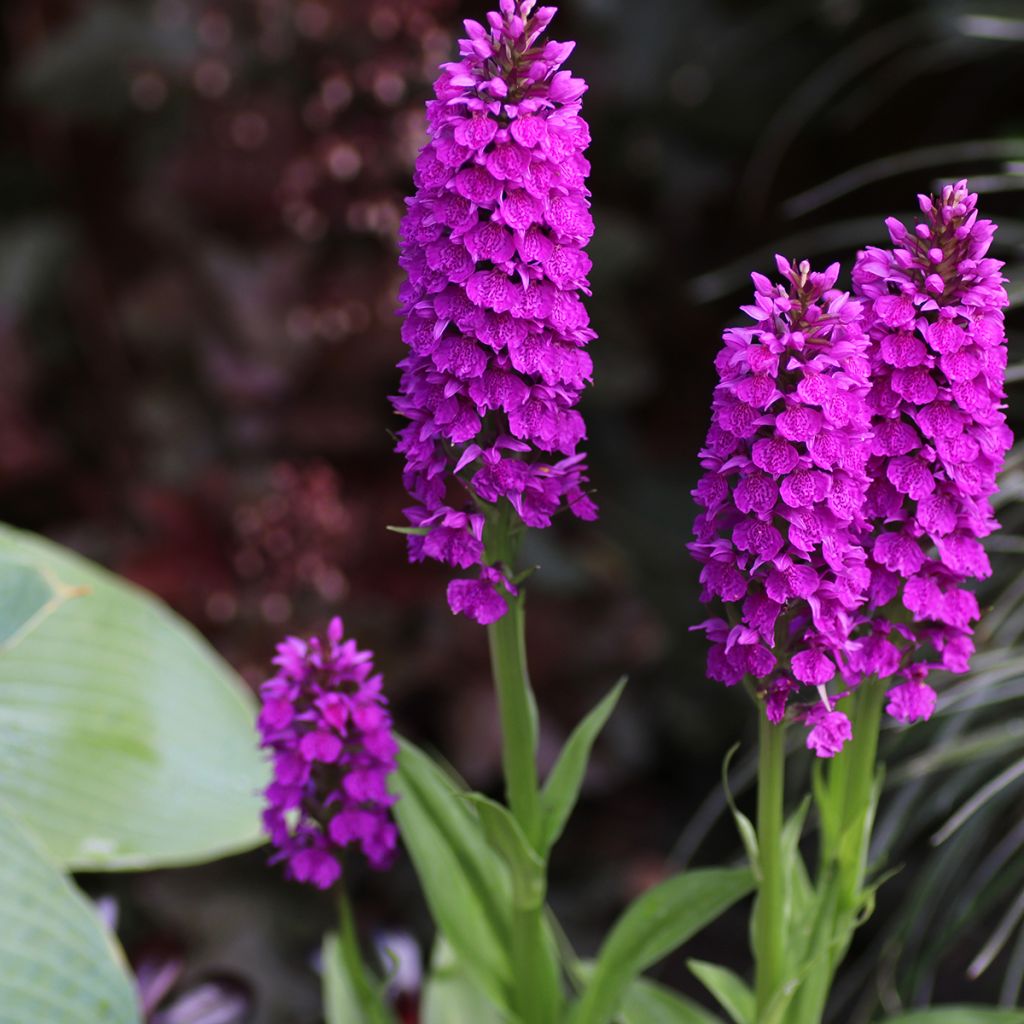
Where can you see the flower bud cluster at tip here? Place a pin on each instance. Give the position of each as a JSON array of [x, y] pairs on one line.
[[849, 469], [493, 244], [325, 722]]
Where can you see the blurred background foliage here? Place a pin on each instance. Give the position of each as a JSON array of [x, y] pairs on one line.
[[198, 204]]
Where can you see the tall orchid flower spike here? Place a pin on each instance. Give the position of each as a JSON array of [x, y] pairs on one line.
[[493, 244], [327, 726], [938, 361], [783, 496]]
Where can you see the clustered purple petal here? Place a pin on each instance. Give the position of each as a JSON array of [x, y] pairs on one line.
[[326, 723], [853, 451], [493, 244], [938, 363], [784, 489]]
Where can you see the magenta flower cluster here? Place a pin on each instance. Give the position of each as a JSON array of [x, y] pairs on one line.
[[326, 724], [785, 486], [493, 245], [938, 363], [854, 446]]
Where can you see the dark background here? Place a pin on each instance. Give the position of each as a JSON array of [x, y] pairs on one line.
[[198, 205]]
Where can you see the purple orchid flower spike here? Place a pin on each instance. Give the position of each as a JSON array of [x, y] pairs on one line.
[[783, 495], [493, 244], [938, 363], [326, 724]]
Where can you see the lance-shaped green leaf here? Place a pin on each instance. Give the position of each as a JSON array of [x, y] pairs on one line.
[[450, 995], [465, 884], [562, 788], [341, 1001], [745, 827], [57, 963], [655, 924], [959, 1014], [509, 842], [127, 742], [649, 1003], [731, 991]]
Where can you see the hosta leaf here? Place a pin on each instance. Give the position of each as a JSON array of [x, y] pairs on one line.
[[57, 964], [27, 596], [125, 741]]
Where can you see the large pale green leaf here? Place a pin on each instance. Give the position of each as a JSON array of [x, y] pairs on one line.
[[28, 595], [562, 788], [465, 884], [959, 1014], [57, 964], [125, 741], [649, 1003], [655, 924], [450, 995]]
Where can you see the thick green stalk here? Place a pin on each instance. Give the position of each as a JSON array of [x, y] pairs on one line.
[[537, 992], [849, 791], [769, 911], [365, 985], [516, 704], [855, 835]]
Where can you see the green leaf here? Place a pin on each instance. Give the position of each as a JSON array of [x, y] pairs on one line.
[[27, 596], [450, 996], [731, 991], [649, 1003], [959, 1014], [799, 897], [655, 924], [126, 741], [745, 827], [562, 788], [341, 1002], [508, 841], [57, 963], [465, 884]]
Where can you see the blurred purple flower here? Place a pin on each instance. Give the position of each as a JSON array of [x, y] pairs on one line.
[[326, 723]]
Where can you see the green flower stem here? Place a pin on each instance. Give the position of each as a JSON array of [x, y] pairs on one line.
[[848, 793], [367, 988], [856, 808], [537, 985], [769, 911], [516, 703]]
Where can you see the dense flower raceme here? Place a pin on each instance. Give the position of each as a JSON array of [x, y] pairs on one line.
[[784, 491], [493, 246], [938, 361], [862, 574], [326, 723]]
